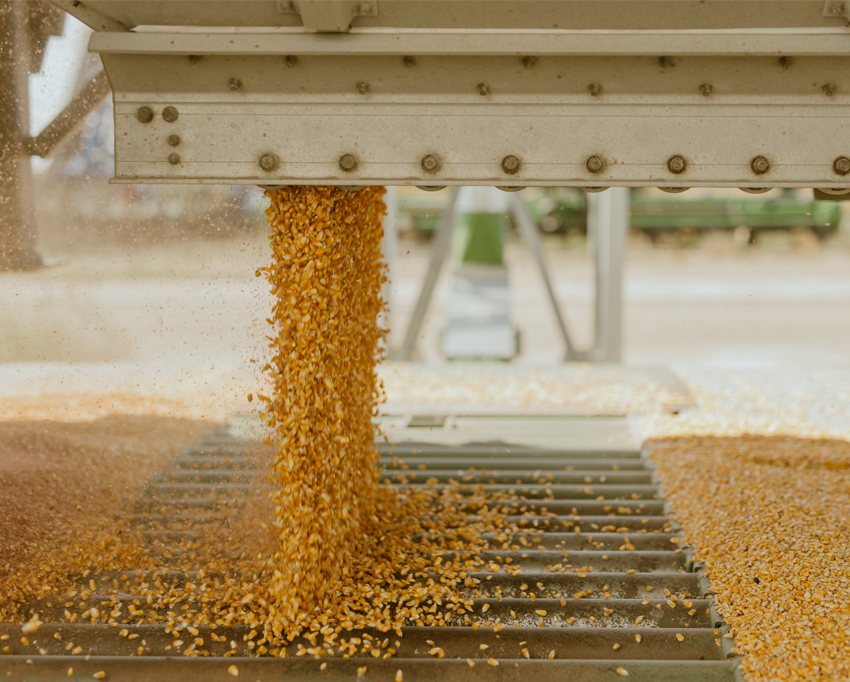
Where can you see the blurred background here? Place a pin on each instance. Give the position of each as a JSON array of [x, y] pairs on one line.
[[162, 276]]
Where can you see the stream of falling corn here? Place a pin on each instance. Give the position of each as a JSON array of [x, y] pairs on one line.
[[326, 275]]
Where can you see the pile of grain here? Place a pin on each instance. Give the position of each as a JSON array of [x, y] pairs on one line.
[[61, 486], [770, 518]]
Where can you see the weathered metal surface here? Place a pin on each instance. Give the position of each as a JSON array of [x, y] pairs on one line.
[[589, 93]]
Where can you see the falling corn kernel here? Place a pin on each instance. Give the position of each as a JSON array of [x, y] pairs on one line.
[[399, 676], [681, 638], [327, 273], [492, 661], [99, 675], [233, 670], [324, 666], [622, 672], [637, 638]]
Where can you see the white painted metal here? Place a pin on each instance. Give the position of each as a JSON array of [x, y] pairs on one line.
[[510, 14], [550, 82], [609, 222]]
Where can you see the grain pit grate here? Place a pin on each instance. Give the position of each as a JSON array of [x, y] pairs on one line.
[[625, 576]]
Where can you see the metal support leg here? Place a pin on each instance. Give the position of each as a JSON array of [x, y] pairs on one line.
[[17, 210], [609, 221], [441, 248], [528, 230]]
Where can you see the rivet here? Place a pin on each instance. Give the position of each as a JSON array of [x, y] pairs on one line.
[[841, 165], [510, 164], [169, 114], [291, 60], [705, 89], [785, 62], [145, 114], [595, 164], [347, 162], [174, 158], [676, 164], [483, 89], [666, 62], [760, 165], [409, 62], [268, 162], [234, 84], [173, 140], [829, 89], [529, 62], [362, 87], [430, 163], [594, 89]]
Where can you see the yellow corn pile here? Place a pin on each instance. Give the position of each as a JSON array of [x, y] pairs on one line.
[[326, 275], [768, 518]]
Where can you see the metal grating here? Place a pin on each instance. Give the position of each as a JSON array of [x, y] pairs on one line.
[[604, 498]]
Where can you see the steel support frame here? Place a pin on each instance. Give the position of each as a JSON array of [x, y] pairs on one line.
[[17, 220], [608, 227]]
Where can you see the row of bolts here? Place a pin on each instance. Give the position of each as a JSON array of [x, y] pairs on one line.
[[431, 164]]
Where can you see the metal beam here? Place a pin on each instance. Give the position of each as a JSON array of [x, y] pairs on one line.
[[85, 101], [531, 237], [17, 218], [481, 42], [94, 20], [440, 250], [610, 226]]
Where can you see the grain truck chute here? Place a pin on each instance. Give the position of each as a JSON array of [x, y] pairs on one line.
[[511, 93]]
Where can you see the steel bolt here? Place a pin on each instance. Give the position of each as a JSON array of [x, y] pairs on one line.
[[760, 165], [268, 162], [234, 84], [841, 165], [347, 162], [173, 140], [595, 164], [174, 158], [829, 89], [145, 114], [291, 60], [510, 164], [676, 164], [169, 114], [409, 62], [483, 89], [529, 62], [594, 89], [362, 87], [430, 164], [705, 89]]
